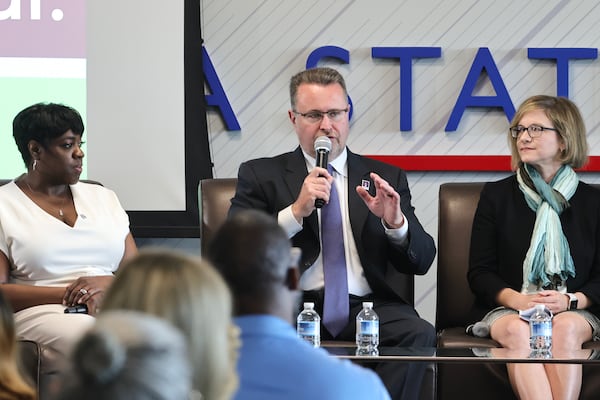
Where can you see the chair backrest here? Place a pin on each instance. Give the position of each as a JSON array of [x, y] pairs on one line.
[[457, 205], [214, 199]]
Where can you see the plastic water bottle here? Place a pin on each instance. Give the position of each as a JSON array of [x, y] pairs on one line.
[[308, 325], [367, 331], [540, 327]]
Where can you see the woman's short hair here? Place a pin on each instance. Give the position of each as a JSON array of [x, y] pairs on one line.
[[43, 122], [129, 355], [567, 120], [192, 295]]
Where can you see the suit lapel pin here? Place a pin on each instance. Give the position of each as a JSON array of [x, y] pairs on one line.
[[366, 184]]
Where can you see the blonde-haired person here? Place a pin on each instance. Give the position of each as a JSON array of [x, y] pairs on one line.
[[12, 385], [566, 119], [536, 240], [189, 293]]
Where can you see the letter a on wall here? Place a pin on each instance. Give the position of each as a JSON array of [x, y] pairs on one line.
[[484, 62], [218, 98]]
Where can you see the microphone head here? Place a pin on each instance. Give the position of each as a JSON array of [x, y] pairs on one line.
[[322, 143]]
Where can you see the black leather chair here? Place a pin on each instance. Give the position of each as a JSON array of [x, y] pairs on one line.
[[457, 204], [214, 199], [42, 366]]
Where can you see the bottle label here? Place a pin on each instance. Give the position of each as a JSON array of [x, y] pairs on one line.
[[541, 329], [367, 327], [308, 328]]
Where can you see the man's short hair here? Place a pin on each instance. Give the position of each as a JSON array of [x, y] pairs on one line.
[[252, 252], [320, 76]]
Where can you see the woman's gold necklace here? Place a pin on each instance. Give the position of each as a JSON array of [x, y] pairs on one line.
[[61, 213]]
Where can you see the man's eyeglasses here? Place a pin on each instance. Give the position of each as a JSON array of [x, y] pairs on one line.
[[317, 116], [533, 130]]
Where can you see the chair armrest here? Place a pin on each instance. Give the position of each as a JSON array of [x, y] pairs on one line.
[[456, 337], [29, 360]]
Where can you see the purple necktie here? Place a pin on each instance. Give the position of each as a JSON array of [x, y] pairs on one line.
[[336, 304]]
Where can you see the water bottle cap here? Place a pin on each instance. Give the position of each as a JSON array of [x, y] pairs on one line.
[[368, 304], [309, 305]]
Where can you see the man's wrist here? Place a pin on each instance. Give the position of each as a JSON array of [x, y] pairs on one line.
[[390, 226]]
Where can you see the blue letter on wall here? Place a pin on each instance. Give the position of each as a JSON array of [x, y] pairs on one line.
[[327, 51], [562, 57], [218, 98], [336, 52], [483, 62], [405, 55]]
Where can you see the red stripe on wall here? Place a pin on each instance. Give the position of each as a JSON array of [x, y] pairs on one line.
[[461, 163]]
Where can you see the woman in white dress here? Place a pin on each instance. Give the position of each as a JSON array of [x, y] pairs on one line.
[[61, 240]]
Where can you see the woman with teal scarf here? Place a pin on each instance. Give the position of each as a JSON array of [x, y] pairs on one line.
[[536, 240]]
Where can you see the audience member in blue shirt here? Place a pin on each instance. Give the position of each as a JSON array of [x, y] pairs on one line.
[[255, 256]]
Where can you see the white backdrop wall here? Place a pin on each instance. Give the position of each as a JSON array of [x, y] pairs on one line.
[[256, 46], [135, 100]]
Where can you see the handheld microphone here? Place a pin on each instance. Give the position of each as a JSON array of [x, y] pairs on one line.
[[322, 149]]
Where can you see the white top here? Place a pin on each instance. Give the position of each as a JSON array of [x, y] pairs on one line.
[[44, 251]]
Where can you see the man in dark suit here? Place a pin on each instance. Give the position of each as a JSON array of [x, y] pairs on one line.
[[381, 238]]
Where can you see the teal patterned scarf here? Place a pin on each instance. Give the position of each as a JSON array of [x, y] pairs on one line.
[[548, 257]]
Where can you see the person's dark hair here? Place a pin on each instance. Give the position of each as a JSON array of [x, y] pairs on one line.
[[130, 355], [320, 76], [43, 122], [252, 252]]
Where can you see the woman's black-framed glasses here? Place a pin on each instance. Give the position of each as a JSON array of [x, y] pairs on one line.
[[532, 130]]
